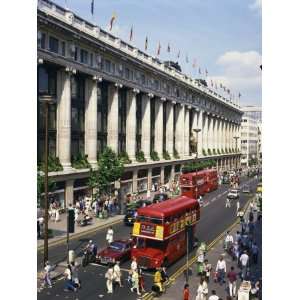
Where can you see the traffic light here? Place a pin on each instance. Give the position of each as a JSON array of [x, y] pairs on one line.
[[71, 221]]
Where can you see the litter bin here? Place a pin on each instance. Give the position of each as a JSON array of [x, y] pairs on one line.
[[71, 256]]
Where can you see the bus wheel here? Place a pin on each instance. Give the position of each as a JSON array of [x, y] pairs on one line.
[[165, 263]]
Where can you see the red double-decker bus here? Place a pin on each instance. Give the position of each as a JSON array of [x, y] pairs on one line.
[[198, 183], [160, 230]]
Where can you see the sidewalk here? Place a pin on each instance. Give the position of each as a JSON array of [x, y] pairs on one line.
[[175, 290]]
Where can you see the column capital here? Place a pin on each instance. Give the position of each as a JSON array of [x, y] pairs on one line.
[[197, 109], [70, 70], [118, 85], [173, 102], [97, 78], [150, 95], [163, 99], [40, 61], [188, 107], [136, 91]]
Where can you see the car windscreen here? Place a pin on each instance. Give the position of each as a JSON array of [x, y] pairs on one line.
[[117, 246]]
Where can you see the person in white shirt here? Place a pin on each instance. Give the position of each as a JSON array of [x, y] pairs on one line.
[[244, 263], [118, 274], [237, 206], [228, 242], [133, 266], [227, 203], [202, 290], [221, 269], [213, 296], [47, 279], [110, 235]]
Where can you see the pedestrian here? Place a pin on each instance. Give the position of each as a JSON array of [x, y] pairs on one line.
[[213, 296], [133, 265], [232, 278], [237, 206], [227, 203], [202, 290], [141, 281], [228, 241], [164, 275], [221, 270], [158, 280], [41, 222], [254, 251], [135, 282], [207, 269], [75, 277], [57, 216], [109, 235], [117, 274], [244, 259], [186, 292], [69, 283], [148, 194], [38, 229], [47, 277], [109, 275], [77, 212], [237, 236], [236, 251]]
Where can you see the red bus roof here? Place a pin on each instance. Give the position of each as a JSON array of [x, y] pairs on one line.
[[169, 207], [202, 172]]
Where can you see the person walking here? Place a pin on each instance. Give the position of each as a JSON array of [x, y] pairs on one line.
[[254, 251], [109, 280], [202, 290], [207, 269], [237, 206], [135, 282], [75, 277], [141, 281], [213, 296], [57, 216], [47, 277], [228, 241], [244, 259], [109, 235], [186, 292], [118, 274], [232, 278], [38, 229], [158, 280], [133, 265], [227, 203], [221, 269]]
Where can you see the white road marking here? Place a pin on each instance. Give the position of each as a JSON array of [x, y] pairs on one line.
[[206, 204], [213, 199]]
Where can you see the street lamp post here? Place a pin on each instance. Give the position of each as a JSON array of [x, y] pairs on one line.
[[46, 99], [236, 139]]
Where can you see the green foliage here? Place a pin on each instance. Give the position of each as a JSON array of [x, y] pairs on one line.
[[124, 157], [209, 151], [140, 156], [54, 164], [110, 169], [198, 166], [166, 155], [175, 154], [204, 152], [41, 188], [92, 181], [154, 156], [80, 161]]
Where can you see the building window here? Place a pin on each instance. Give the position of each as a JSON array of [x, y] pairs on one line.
[[122, 120], [43, 41], [102, 107], [63, 48], [107, 66], [77, 115], [91, 59], [113, 68], [126, 73], [76, 54], [83, 56], [143, 79], [46, 81], [53, 44]]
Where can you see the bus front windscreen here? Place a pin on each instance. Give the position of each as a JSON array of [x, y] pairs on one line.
[[161, 245]]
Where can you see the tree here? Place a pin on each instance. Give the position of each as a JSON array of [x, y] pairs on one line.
[[110, 169], [41, 188]]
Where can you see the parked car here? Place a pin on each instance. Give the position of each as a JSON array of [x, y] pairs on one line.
[[160, 197], [246, 189], [119, 250], [233, 194], [131, 209]]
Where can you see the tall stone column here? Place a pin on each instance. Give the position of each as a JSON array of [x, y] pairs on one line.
[[149, 179], [205, 132], [146, 126], [210, 133], [179, 132], [219, 137], [158, 140], [226, 134], [200, 134], [187, 131], [69, 192], [64, 118], [214, 133], [131, 123], [91, 120], [113, 117], [170, 128], [172, 175], [162, 175]]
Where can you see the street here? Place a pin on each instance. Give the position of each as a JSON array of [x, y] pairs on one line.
[[214, 220]]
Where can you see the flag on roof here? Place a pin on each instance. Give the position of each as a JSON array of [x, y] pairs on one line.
[[158, 49], [211, 83], [112, 20], [178, 55], [206, 73], [169, 48], [146, 43], [240, 95], [92, 7], [199, 70], [131, 34], [194, 63]]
